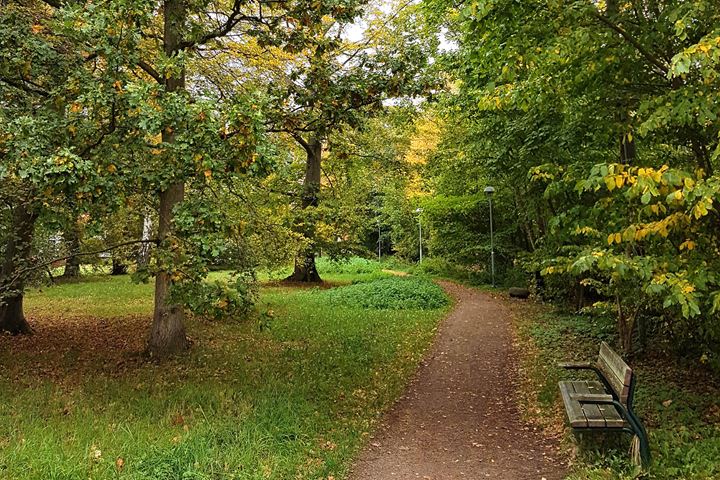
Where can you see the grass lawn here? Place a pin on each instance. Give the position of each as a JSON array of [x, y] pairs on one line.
[[679, 403], [288, 395]]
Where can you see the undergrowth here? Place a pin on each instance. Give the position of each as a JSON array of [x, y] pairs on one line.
[[400, 293], [678, 403]]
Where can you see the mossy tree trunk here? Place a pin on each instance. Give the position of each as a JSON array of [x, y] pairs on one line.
[[167, 334], [18, 248], [72, 265], [305, 269]]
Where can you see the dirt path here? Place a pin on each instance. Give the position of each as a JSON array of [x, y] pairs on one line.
[[455, 421]]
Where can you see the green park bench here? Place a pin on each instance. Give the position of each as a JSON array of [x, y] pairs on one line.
[[606, 405]]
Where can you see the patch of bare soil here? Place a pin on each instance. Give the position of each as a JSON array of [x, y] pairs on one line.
[[460, 418]]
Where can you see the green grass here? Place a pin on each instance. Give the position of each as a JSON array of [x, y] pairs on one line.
[[99, 296], [678, 403], [291, 396]]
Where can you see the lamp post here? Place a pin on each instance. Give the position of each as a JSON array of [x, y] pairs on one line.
[[419, 211], [379, 241], [489, 191]]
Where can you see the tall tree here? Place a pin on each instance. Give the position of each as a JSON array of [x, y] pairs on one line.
[[336, 84], [58, 112]]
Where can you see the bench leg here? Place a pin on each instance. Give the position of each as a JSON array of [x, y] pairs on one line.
[[637, 430]]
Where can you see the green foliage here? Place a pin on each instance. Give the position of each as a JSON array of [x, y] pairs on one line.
[[595, 122], [397, 293], [351, 265], [220, 299]]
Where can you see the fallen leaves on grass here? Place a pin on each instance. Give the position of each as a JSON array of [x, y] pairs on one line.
[[66, 350]]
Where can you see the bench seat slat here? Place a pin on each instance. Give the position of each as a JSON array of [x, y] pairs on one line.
[[588, 415], [612, 417], [592, 412], [574, 410]]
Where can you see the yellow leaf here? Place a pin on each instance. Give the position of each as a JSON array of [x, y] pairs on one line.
[[687, 245], [208, 174], [610, 183], [611, 239], [75, 107]]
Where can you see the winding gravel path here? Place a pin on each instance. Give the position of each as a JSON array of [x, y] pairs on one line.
[[456, 420]]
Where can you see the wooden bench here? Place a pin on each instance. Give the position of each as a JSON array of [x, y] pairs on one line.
[[606, 405]]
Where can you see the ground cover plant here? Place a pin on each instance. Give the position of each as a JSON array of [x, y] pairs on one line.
[[677, 400], [402, 293], [289, 394]]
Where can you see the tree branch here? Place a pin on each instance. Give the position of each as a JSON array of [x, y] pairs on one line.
[[43, 265], [655, 61], [298, 138], [147, 68], [25, 86], [233, 19]]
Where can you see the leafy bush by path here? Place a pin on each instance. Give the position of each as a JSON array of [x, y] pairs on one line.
[[398, 293]]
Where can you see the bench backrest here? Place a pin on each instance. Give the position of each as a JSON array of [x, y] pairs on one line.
[[616, 371]]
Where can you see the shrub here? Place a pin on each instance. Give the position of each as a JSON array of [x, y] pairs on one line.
[[350, 265], [396, 293]]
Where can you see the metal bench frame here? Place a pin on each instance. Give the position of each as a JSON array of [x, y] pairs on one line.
[[634, 425]]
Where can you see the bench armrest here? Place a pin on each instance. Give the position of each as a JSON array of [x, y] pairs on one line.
[[596, 398], [577, 365]]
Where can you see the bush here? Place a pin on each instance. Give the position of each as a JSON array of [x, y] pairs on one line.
[[396, 293], [350, 265]]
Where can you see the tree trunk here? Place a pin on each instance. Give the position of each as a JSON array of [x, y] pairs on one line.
[[305, 269], [12, 284], [167, 335], [72, 265], [626, 326], [627, 149], [144, 251], [118, 267]]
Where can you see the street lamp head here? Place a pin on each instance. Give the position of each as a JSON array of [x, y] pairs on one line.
[[489, 191]]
